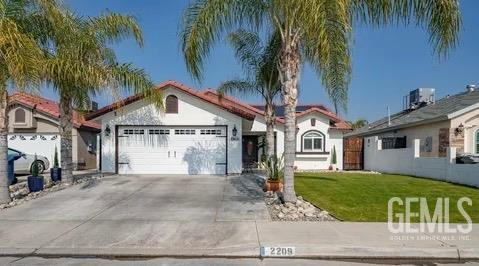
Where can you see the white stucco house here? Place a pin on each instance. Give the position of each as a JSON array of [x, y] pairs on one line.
[[200, 133]]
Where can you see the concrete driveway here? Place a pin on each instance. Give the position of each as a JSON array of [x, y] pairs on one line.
[[120, 213]]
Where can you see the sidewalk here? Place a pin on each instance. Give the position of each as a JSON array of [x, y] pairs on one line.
[[130, 238]]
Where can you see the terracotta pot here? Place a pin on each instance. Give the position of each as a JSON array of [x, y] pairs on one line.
[[274, 185]]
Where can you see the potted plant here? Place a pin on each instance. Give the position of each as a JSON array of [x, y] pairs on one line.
[[333, 159], [274, 167], [35, 181], [56, 171]]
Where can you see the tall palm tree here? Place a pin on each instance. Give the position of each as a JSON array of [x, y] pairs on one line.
[[359, 123], [82, 64], [259, 64], [313, 31], [21, 60]]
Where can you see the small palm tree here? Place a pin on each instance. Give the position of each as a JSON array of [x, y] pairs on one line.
[[313, 31], [21, 60], [259, 64], [361, 122], [81, 65]]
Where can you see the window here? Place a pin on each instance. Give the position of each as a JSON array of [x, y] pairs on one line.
[[185, 132], [393, 143], [159, 132], [313, 141], [19, 115], [171, 104], [133, 132], [210, 131], [476, 141]]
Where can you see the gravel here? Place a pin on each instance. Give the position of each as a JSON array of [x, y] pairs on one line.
[[301, 210], [20, 193]]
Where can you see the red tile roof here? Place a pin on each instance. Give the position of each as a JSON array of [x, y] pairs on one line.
[[226, 102], [247, 114], [50, 108]]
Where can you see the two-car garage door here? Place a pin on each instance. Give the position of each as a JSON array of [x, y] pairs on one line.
[[171, 150]]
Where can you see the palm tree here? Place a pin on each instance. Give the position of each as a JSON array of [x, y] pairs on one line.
[[259, 64], [313, 31], [81, 65], [361, 122], [21, 60]]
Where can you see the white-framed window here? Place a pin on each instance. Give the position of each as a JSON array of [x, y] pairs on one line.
[[313, 141], [476, 141]]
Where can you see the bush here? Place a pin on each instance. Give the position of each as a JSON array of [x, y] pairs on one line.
[[55, 159], [35, 170]]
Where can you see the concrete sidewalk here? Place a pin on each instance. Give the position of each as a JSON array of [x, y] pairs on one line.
[[140, 238]]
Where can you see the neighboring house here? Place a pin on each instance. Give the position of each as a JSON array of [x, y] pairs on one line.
[[452, 121], [33, 128], [200, 133]]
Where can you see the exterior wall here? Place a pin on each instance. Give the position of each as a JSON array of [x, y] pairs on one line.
[[408, 162], [45, 125], [470, 121], [422, 132], [307, 161], [191, 111], [83, 158]]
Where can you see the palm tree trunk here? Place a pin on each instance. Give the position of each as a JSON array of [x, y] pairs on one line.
[[289, 69], [269, 117], [4, 192], [66, 124]]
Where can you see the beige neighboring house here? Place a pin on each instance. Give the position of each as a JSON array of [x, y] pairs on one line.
[[33, 128], [452, 121]]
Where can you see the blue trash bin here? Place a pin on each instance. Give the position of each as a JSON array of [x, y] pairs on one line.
[[11, 168]]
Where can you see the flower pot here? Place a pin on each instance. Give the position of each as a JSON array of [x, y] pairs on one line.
[[274, 185], [56, 174], [330, 168], [35, 183]]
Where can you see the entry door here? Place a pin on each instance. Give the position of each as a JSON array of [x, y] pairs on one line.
[[250, 149], [172, 150]]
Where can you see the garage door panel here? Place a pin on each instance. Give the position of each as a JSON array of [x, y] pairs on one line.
[[179, 150]]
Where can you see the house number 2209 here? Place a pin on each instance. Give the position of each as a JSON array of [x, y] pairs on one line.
[[277, 251]]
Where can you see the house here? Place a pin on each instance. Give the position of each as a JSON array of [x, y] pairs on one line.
[[33, 128], [452, 121], [199, 132]]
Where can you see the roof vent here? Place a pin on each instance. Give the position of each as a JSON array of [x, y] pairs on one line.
[[471, 87]]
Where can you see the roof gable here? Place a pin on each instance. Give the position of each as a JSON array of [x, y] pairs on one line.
[[49, 108]]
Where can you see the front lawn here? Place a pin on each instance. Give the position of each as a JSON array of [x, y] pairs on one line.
[[364, 197]]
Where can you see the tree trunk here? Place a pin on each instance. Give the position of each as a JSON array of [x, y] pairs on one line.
[[66, 125], [270, 119], [289, 69], [4, 192]]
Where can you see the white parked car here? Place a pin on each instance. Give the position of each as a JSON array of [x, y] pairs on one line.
[[24, 164]]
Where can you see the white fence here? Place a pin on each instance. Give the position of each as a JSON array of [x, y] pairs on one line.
[[408, 162]]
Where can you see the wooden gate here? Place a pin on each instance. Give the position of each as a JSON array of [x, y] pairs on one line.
[[353, 158]]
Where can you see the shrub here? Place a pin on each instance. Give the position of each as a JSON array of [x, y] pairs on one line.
[[55, 159], [274, 167]]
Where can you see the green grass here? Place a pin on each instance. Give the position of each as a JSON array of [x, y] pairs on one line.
[[364, 197]]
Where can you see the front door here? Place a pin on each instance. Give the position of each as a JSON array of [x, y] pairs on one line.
[[250, 149]]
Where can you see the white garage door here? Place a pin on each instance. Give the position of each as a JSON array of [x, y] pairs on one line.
[[32, 143], [171, 150]]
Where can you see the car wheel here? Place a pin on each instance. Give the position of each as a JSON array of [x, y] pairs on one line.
[[41, 167]]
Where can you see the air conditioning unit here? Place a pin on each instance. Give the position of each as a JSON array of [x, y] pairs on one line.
[[421, 97], [91, 106]]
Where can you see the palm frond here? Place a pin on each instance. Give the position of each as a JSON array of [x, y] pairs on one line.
[[247, 48], [113, 27], [204, 22], [442, 19], [238, 87]]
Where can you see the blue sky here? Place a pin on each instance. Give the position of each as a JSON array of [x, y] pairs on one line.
[[387, 62]]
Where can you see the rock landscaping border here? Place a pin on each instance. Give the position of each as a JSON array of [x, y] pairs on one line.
[[20, 193], [299, 211]]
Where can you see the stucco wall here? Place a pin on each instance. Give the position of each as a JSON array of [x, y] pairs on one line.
[[470, 121], [46, 125], [305, 161], [191, 111], [408, 162]]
